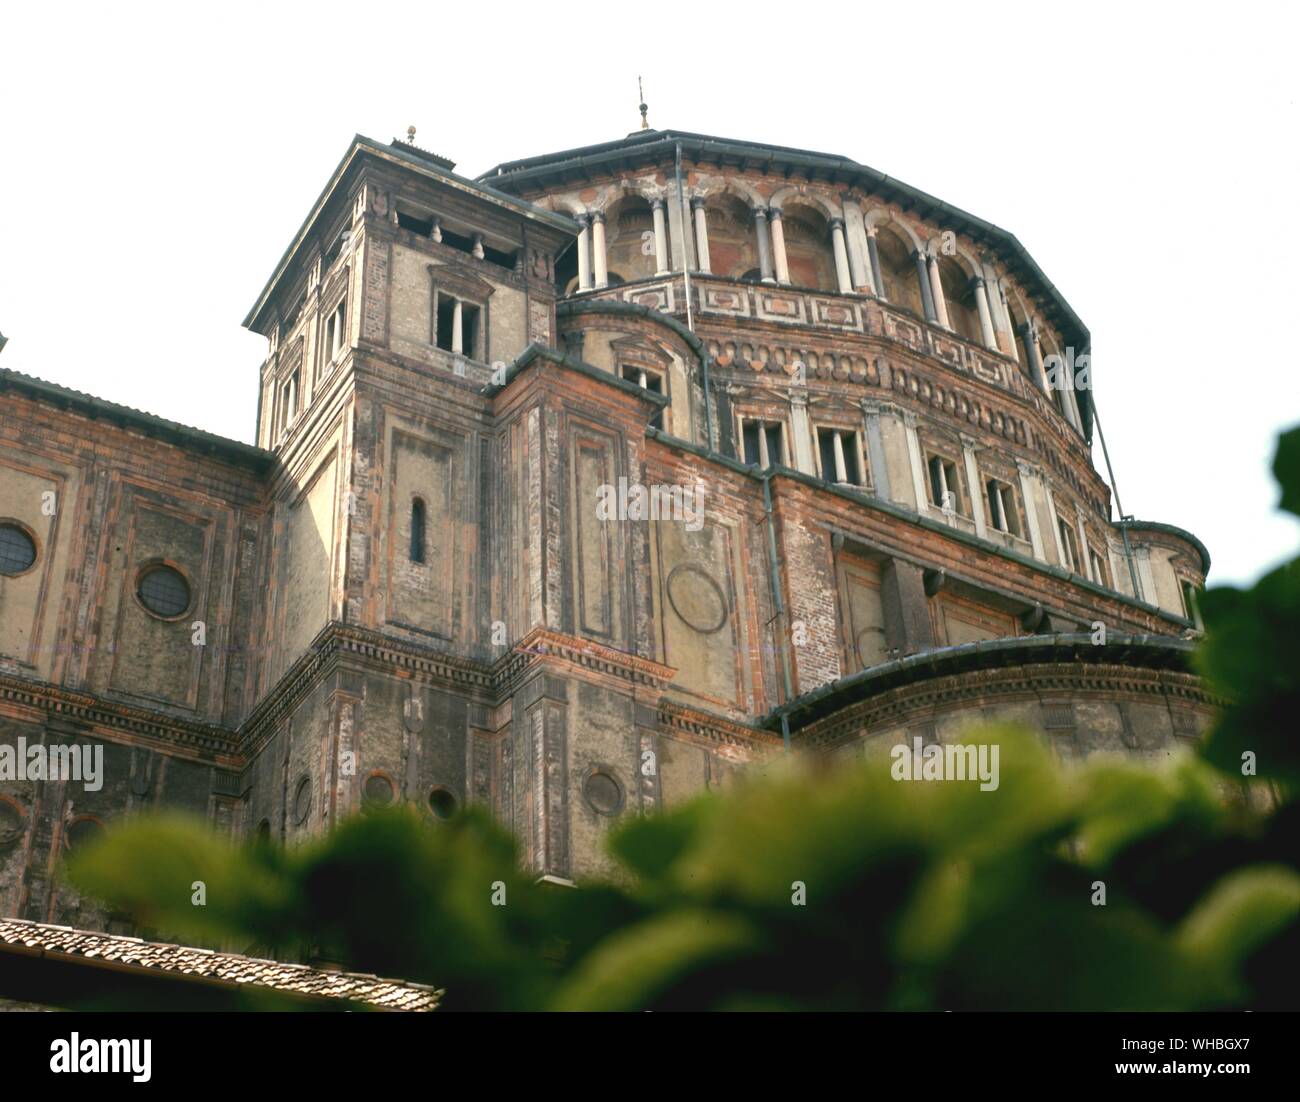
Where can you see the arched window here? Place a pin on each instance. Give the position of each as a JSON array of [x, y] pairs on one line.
[[959, 295], [808, 248], [898, 272], [417, 530], [629, 240], [733, 246]]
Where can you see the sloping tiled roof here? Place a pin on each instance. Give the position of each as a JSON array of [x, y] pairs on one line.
[[232, 451], [24, 938]]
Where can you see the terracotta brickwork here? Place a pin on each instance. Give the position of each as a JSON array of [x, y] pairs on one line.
[[551, 515]]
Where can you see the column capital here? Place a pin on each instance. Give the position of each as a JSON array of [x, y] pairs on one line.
[[837, 223], [657, 204], [596, 216], [977, 281], [759, 212], [874, 407], [697, 202], [1026, 468], [774, 213], [910, 419]]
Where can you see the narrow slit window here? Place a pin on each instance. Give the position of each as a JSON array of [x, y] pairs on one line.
[[1002, 507], [840, 455], [417, 530], [943, 483], [649, 380], [1069, 548], [763, 443]]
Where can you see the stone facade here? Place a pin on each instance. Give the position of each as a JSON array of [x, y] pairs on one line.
[[873, 515]]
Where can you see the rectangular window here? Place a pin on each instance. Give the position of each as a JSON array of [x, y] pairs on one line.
[[335, 333], [288, 402], [444, 315], [421, 227], [945, 489], [1191, 606], [840, 455], [469, 334], [651, 381], [1003, 514], [1069, 546], [1098, 568], [763, 443], [457, 330]]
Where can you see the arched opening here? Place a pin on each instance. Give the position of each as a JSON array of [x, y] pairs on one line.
[[808, 248], [733, 248], [898, 271], [959, 295], [1055, 377], [417, 530], [630, 240], [1017, 321]]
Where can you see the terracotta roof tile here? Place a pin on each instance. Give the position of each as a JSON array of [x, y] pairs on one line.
[[231, 968]]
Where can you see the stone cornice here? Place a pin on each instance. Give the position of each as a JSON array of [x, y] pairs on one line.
[[705, 726], [1064, 680], [544, 646], [191, 739]]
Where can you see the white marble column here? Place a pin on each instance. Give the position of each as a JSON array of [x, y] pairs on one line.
[[778, 246], [598, 250], [976, 486], [764, 253], [857, 264], [842, 276], [661, 238], [936, 291], [986, 319], [701, 234], [457, 333], [841, 468], [584, 252]]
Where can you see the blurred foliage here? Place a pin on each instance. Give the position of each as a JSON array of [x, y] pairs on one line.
[[823, 886]]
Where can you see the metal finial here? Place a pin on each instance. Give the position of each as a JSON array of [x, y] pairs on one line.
[[410, 134], [645, 125]]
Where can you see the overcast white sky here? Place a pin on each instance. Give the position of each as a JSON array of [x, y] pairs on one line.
[[156, 161]]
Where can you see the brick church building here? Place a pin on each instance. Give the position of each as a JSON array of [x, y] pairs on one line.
[[672, 451]]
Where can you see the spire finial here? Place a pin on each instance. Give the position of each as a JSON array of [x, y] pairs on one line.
[[410, 134], [645, 125]]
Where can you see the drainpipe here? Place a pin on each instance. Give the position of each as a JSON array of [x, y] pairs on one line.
[[779, 602], [1123, 519]]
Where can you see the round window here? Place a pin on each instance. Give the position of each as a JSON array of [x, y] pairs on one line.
[[17, 549], [377, 791], [442, 803], [11, 821], [164, 592], [81, 831], [603, 793]]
